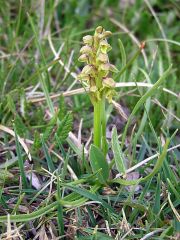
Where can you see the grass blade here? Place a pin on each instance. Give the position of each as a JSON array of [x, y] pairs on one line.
[[158, 163], [20, 161], [143, 99], [47, 155], [30, 216], [123, 57]]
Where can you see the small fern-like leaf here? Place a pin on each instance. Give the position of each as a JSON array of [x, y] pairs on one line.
[[65, 126]]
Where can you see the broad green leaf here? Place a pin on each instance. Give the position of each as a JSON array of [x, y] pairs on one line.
[[118, 154], [98, 161]]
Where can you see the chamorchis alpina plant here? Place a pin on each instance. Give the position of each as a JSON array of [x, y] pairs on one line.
[[97, 76]]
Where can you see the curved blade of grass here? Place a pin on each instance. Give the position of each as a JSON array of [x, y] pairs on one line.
[[157, 200], [154, 171], [59, 210], [173, 208], [30, 216], [158, 163], [142, 100], [117, 151], [123, 57], [48, 157], [128, 64], [96, 235], [72, 199], [173, 189], [20, 160], [87, 194], [45, 84], [147, 108]]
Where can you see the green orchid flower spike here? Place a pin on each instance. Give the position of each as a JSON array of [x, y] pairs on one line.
[[97, 70], [96, 75]]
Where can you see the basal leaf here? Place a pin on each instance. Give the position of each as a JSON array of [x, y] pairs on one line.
[[98, 161], [118, 154]]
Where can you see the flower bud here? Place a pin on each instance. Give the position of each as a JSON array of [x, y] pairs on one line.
[[102, 57], [88, 69], [99, 29], [109, 82], [83, 58], [104, 67], [86, 49], [88, 40]]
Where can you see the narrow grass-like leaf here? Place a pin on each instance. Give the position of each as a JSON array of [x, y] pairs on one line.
[[129, 63], [142, 101], [123, 57], [99, 235], [149, 176], [98, 161], [59, 210], [76, 149], [117, 151], [87, 194], [140, 199], [48, 157], [173, 208], [147, 108], [43, 77], [18, 203], [74, 199], [156, 207], [20, 161], [176, 193], [158, 163], [30, 216], [46, 92], [91, 216]]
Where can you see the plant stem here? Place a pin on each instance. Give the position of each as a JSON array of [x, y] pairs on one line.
[[103, 116], [97, 124]]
